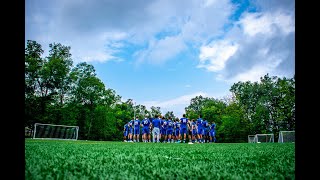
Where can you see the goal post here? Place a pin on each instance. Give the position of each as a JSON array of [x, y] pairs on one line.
[[286, 136], [251, 138], [264, 138], [53, 131]]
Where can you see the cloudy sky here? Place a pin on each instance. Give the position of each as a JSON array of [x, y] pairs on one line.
[[165, 52]]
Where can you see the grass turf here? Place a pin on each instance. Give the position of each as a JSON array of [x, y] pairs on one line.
[[62, 159]]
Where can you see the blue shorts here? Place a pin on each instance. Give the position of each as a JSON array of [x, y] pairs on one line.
[[169, 131], [137, 131], [183, 130], [130, 131], [125, 133], [177, 132], [146, 130], [194, 132], [164, 131], [207, 131], [200, 131], [212, 133]]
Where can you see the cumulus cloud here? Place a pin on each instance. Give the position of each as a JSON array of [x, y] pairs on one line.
[[214, 56], [267, 23], [262, 42], [98, 30], [162, 29]]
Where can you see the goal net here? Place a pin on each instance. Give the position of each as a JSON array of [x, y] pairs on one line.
[[264, 138], [286, 136], [251, 138], [52, 131]]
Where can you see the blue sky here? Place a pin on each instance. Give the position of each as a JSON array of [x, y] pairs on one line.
[[165, 52]]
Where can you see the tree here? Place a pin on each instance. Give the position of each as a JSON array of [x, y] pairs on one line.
[[33, 66], [268, 105], [155, 111], [169, 114], [87, 90], [45, 79], [196, 104]]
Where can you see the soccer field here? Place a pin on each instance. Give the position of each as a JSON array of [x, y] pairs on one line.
[[62, 159]]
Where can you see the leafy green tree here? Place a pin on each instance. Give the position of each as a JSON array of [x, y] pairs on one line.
[[46, 79], [89, 91], [169, 114], [269, 105], [60, 64], [33, 66], [196, 104], [155, 111], [104, 127]]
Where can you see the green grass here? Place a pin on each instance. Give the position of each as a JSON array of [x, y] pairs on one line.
[[59, 159]]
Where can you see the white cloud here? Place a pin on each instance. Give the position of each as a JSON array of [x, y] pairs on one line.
[[161, 50], [89, 26], [265, 23], [264, 43], [214, 56]]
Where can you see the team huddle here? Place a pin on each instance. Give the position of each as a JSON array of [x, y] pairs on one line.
[[160, 129]]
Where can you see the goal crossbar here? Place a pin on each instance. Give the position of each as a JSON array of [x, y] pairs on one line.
[[286, 136], [251, 138], [261, 138], [55, 132]]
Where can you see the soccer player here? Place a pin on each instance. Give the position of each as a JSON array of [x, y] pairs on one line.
[[177, 125], [205, 128], [125, 131], [183, 127], [189, 131], [150, 127], [164, 129], [200, 129], [136, 130], [193, 130], [156, 123], [146, 129], [130, 136], [207, 132], [169, 129], [213, 132]]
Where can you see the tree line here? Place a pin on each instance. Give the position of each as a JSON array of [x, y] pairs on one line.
[[59, 92]]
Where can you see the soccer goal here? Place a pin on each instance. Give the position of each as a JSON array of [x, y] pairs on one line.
[[264, 138], [251, 138], [52, 131], [286, 136]]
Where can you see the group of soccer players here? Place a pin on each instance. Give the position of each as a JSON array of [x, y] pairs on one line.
[[159, 129]]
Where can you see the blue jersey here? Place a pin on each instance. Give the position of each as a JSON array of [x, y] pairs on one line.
[[156, 122], [184, 122], [165, 124], [146, 123], [212, 127], [136, 123], [199, 123], [131, 124], [177, 125], [126, 127], [170, 124], [205, 124], [193, 125], [161, 122]]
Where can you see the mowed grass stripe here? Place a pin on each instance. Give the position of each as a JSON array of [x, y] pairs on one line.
[[56, 159]]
